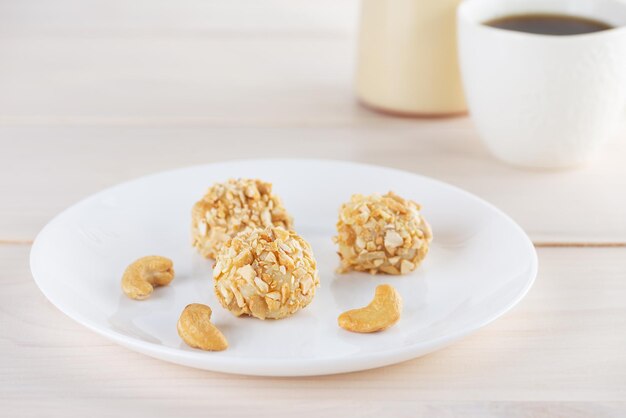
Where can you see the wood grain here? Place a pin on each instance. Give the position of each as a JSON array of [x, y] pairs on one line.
[[88, 107], [96, 93], [559, 353], [553, 244], [184, 18], [253, 81], [45, 169]]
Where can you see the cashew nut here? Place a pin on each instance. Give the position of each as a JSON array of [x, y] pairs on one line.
[[382, 312], [141, 276], [195, 328]]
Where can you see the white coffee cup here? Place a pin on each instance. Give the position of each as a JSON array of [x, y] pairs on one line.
[[543, 101]]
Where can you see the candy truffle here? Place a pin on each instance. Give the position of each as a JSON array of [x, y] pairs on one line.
[[381, 234], [265, 273], [228, 208]]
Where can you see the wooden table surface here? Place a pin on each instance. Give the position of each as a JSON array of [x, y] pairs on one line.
[[99, 92]]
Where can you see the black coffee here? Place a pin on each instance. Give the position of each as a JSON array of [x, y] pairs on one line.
[[548, 24]]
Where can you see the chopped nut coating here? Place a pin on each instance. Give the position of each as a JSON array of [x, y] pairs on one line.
[[230, 207], [266, 273], [381, 234]]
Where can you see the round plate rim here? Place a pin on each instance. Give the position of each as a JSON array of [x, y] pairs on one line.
[[278, 367]]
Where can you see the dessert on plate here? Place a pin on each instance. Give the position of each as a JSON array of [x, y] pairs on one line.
[[230, 207], [265, 273], [381, 234]]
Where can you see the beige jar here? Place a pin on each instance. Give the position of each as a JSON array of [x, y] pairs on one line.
[[407, 57]]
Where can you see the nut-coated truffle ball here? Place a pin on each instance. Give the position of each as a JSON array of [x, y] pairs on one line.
[[381, 234], [230, 207], [265, 273]]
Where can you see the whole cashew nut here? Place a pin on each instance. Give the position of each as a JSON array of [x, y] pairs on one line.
[[144, 274], [382, 312], [195, 328]]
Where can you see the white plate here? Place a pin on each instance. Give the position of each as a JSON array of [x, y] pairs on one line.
[[481, 264]]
